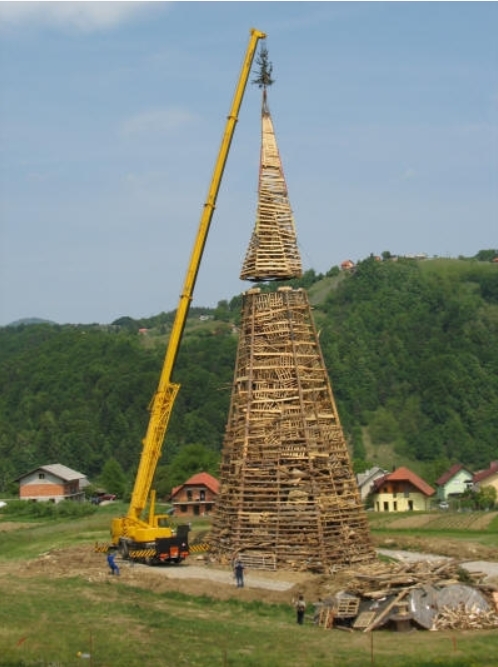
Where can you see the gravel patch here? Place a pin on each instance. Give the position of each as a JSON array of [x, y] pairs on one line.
[[268, 580], [489, 568]]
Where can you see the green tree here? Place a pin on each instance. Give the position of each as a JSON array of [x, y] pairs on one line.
[[264, 73], [486, 497], [113, 478], [383, 427], [189, 460], [486, 255]]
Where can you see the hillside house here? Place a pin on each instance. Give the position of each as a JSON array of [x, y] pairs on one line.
[[488, 477], [453, 482], [52, 483], [196, 496], [347, 265], [402, 491], [366, 480]]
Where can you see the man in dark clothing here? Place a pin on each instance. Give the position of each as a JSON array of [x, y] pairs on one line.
[[239, 573], [300, 609]]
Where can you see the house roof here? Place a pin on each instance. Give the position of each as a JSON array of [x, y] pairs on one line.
[[369, 475], [57, 469], [484, 474], [450, 473], [403, 474], [200, 479]]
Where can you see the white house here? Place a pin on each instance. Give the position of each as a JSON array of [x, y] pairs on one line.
[[453, 482], [366, 480], [52, 483]]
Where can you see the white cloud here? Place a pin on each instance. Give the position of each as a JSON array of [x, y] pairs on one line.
[[82, 16], [156, 121]]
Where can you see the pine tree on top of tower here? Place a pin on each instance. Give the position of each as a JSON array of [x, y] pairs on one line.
[[263, 78]]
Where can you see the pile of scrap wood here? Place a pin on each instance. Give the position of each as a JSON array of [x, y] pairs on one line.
[[430, 595]]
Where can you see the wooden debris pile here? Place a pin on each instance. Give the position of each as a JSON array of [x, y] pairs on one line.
[[461, 618], [430, 595]]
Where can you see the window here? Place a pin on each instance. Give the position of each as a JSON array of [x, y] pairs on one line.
[[189, 495], [202, 495], [41, 475]]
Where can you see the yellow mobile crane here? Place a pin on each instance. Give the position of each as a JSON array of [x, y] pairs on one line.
[[152, 539]]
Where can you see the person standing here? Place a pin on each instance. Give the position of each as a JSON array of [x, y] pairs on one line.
[[112, 564], [239, 573], [300, 609]]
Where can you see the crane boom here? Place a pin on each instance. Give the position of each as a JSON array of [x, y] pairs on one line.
[[133, 528]]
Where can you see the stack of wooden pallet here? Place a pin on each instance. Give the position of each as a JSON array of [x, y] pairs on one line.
[[287, 487], [288, 494]]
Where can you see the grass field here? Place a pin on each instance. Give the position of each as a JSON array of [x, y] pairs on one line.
[[70, 619]]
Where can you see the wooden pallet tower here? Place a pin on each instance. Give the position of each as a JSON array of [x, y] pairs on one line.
[[288, 496]]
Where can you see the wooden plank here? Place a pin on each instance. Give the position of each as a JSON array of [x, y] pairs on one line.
[[380, 617], [364, 619]]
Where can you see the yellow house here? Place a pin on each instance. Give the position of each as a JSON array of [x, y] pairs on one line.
[[402, 491], [488, 477]]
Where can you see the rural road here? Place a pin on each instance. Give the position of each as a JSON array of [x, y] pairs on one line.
[[263, 579], [272, 581]]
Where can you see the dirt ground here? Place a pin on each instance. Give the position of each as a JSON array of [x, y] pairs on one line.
[[193, 577], [199, 577]]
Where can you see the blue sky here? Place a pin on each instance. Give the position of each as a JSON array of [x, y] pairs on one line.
[[111, 118]]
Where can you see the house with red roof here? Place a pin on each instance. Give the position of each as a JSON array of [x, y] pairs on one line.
[[454, 482], [402, 491], [196, 496], [488, 477], [347, 265]]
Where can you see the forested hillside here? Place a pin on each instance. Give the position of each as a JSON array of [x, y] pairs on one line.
[[411, 348]]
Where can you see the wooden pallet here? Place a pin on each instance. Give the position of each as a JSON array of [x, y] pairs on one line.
[[326, 619], [347, 607]]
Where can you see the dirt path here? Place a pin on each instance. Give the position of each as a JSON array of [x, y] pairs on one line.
[[256, 579]]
